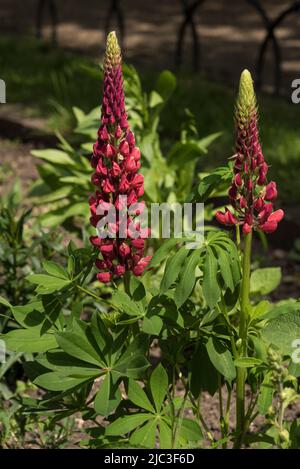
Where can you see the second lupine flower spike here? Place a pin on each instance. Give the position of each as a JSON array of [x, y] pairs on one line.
[[116, 161], [250, 195]]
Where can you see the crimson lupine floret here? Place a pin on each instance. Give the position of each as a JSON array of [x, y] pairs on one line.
[[250, 195], [116, 161]]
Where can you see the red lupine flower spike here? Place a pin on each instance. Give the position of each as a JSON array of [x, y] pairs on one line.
[[116, 161], [250, 170]]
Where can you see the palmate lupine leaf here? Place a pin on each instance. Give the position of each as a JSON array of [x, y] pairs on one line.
[[217, 258], [144, 425]]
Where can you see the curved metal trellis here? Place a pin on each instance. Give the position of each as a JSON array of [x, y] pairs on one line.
[[271, 26], [51, 4], [189, 9]]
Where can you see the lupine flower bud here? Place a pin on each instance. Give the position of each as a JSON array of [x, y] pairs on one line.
[[271, 191], [104, 277], [116, 161], [141, 265], [250, 202]]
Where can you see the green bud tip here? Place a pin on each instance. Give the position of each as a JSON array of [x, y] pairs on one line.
[[246, 100], [113, 51]]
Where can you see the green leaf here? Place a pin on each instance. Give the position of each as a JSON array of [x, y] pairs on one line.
[[58, 216], [205, 142], [186, 152], [107, 398], [165, 435], [159, 386], [264, 281], [173, 268], [155, 99], [29, 315], [203, 375], [138, 396], [166, 84], [294, 368], [126, 424], [71, 266], [215, 182], [53, 196], [258, 311], [4, 302], [265, 395], [54, 156], [137, 290], [260, 348], [145, 436], [226, 272], [53, 381], [152, 325], [53, 306], [132, 367], [55, 270], [47, 284], [190, 430], [210, 316], [65, 365], [283, 330], [211, 289], [29, 340], [133, 362], [208, 184], [281, 308], [187, 279], [126, 304], [247, 362], [221, 358], [79, 346], [163, 252]]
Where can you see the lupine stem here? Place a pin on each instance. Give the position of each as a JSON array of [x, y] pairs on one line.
[[241, 374], [238, 236], [93, 295], [126, 279]]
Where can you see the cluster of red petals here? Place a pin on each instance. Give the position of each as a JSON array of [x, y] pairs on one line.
[[250, 195], [116, 160]]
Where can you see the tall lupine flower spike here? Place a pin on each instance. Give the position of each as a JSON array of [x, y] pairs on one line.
[[250, 195], [116, 161]]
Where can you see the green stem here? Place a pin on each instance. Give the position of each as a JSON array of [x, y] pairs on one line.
[[227, 415], [126, 280], [179, 420], [197, 409], [220, 399], [238, 237], [222, 422], [241, 373], [93, 295], [228, 324], [281, 408]]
